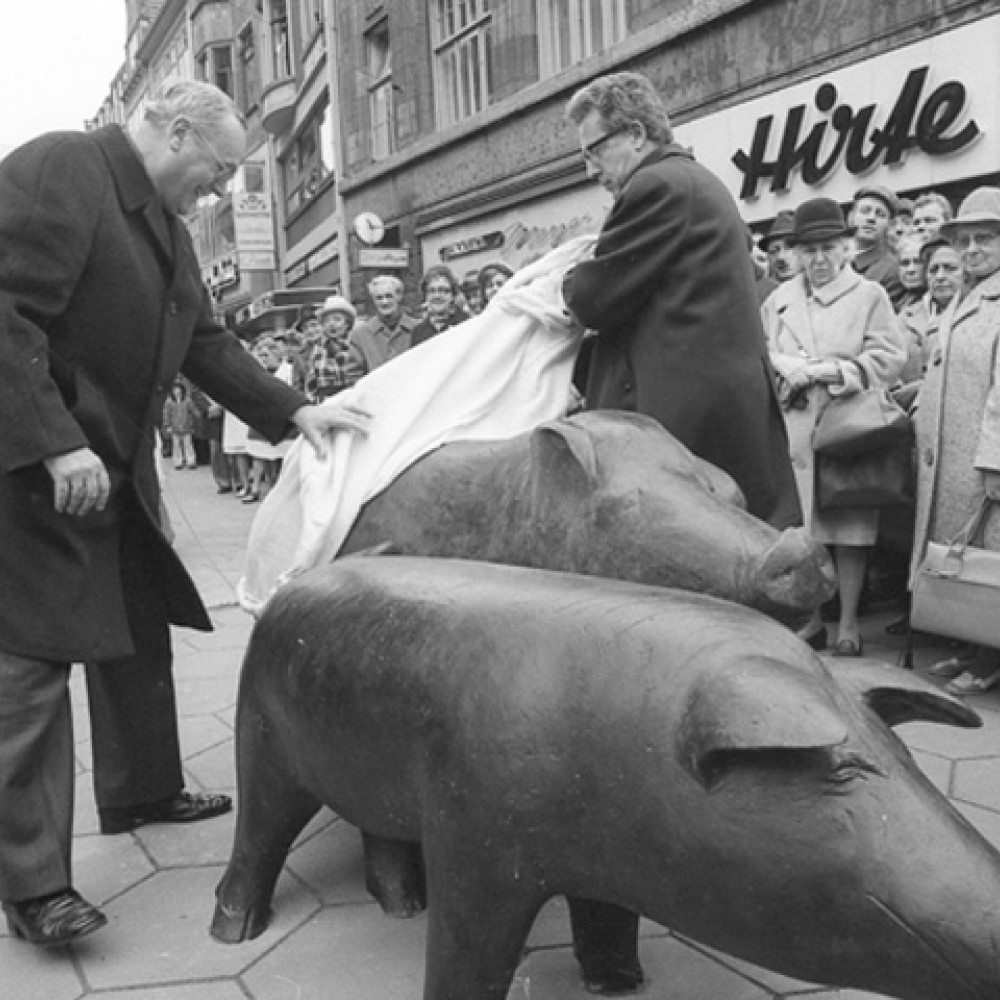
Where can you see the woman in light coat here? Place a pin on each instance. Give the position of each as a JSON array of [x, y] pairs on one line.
[[958, 415], [830, 333]]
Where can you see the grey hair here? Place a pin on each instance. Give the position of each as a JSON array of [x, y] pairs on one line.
[[202, 103], [620, 99], [935, 198], [386, 279]]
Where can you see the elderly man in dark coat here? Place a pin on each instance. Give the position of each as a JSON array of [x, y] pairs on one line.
[[101, 304], [671, 293]]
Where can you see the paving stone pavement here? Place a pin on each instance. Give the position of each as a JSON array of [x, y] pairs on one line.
[[328, 940]]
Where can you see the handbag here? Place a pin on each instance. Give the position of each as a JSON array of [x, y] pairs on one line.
[[862, 422], [882, 478], [956, 590]]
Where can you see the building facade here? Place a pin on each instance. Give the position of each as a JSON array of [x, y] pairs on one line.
[[444, 119]]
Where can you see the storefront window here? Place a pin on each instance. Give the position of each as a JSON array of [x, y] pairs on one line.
[[572, 30], [462, 72], [308, 162]]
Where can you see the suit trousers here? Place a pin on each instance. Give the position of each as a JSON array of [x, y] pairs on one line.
[[136, 750]]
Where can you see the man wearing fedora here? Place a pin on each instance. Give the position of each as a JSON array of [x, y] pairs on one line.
[[782, 261], [872, 213]]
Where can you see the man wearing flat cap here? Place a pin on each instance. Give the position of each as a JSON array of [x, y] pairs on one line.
[[782, 260], [872, 213]]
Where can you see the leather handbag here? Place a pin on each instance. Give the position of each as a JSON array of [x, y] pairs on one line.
[[882, 478], [956, 591], [863, 422]]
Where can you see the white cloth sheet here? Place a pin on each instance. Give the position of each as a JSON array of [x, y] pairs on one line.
[[494, 376]]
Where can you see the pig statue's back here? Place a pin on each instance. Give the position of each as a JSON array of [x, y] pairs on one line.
[[547, 733], [606, 493]]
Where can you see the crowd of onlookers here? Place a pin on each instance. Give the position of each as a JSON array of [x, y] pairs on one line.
[[903, 294]]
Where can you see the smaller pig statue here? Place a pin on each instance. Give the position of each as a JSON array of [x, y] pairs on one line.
[[607, 493], [666, 752]]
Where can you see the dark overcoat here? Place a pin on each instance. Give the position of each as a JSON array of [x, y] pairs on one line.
[[101, 304], [671, 293]]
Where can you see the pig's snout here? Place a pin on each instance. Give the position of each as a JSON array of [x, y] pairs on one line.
[[796, 574]]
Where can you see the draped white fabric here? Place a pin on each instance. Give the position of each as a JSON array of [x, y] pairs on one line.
[[494, 376]]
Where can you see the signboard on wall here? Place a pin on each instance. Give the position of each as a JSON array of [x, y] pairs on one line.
[[254, 228], [916, 117], [392, 257]]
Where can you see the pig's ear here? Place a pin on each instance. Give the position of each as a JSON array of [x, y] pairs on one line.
[[760, 705], [897, 695], [562, 458]]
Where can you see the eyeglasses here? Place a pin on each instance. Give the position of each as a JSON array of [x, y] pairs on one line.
[[224, 172], [590, 150], [982, 239]]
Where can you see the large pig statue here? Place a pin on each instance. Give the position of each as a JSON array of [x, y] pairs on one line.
[[667, 752], [605, 493]]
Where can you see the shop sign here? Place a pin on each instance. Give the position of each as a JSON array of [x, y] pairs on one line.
[[474, 244], [392, 257], [254, 228], [850, 136], [296, 272]]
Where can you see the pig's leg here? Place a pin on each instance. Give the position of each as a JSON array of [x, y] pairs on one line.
[[394, 875], [606, 944], [478, 919], [273, 810]]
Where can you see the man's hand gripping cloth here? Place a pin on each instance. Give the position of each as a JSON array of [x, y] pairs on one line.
[[494, 376]]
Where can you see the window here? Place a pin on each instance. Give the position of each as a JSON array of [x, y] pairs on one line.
[[308, 161], [461, 58], [222, 68], [249, 69], [281, 48], [572, 30], [311, 19], [381, 107]]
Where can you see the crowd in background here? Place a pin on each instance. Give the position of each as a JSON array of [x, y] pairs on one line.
[[904, 294]]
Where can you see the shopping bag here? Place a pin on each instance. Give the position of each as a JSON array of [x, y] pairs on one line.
[[956, 590], [865, 421]]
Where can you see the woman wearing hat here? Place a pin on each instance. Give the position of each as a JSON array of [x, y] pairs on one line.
[[831, 333], [958, 415]]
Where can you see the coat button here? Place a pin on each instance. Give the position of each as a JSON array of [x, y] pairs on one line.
[[173, 309]]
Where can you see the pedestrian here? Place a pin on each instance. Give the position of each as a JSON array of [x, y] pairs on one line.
[[491, 279], [930, 211], [388, 333], [672, 295], [101, 304], [440, 289], [782, 260], [179, 417], [958, 430], [333, 364], [831, 333], [872, 213]]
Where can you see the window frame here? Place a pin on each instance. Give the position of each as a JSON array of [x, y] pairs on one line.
[[461, 46], [577, 35]]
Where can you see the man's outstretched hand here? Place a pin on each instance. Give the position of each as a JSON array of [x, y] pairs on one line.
[[317, 422]]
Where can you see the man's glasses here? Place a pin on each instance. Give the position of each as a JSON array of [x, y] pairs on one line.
[[224, 172], [983, 238], [591, 149]]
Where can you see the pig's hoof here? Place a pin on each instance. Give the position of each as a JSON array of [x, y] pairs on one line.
[[614, 982], [231, 925]]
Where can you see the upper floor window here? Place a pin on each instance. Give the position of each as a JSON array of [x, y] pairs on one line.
[[461, 58], [571, 30], [309, 160], [311, 19], [281, 46], [381, 107], [222, 69], [249, 69]]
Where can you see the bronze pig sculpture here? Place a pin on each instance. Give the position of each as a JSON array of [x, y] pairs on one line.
[[667, 752], [607, 493]]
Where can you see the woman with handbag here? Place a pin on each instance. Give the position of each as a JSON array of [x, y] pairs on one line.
[[958, 426], [831, 334]]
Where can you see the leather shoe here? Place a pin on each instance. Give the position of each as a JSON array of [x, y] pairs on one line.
[[55, 919], [849, 647], [184, 807]]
